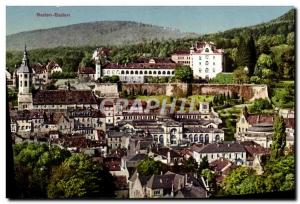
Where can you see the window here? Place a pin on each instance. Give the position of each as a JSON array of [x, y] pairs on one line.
[[141, 72], [200, 70], [206, 50], [131, 72], [206, 70], [199, 57], [157, 192], [25, 76], [206, 56], [206, 63], [214, 63], [136, 72], [122, 72], [168, 72], [164, 72], [20, 83], [145, 72], [25, 85], [154, 72], [199, 63], [150, 72], [214, 57], [127, 72], [159, 72], [214, 70]]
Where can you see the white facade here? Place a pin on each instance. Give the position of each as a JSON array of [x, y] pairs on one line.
[[98, 70], [137, 75], [206, 62]]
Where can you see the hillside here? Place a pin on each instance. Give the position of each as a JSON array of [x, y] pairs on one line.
[[280, 25], [92, 34]]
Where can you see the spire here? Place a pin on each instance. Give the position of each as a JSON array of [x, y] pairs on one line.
[[25, 61]]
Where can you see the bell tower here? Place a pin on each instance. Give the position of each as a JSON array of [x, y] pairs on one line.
[[98, 69], [24, 74]]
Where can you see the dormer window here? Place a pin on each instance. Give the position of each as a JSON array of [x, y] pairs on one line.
[[206, 50]]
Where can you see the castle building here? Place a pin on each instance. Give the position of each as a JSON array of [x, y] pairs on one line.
[[204, 58], [24, 74]]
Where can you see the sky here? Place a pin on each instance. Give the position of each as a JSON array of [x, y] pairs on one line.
[[187, 19]]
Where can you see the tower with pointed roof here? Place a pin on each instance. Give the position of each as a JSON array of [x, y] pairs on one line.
[[24, 75]]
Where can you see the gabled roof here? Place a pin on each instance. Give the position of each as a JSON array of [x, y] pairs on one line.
[[64, 97], [86, 70], [222, 148]]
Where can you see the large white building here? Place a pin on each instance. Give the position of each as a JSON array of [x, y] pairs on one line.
[[204, 58]]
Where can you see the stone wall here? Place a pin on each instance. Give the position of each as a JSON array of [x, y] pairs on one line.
[[247, 91]]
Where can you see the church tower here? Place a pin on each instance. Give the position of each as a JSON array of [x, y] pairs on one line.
[[98, 69], [24, 74]]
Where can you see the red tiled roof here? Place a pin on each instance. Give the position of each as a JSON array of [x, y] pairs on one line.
[[38, 68], [141, 66], [219, 164], [112, 163], [252, 149], [86, 70], [64, 97], [255, 119]]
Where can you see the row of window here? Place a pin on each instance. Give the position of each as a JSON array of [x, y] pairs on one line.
[[207, 70], [224, 155], [25, 83], [206, 57], [207, 63], [141, 72]]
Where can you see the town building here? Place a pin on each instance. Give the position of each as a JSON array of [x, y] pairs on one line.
[[168, 185], [230, 150], [259, 128]]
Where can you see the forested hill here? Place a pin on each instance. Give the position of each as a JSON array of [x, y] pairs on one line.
[[92, 34], [281, 25]]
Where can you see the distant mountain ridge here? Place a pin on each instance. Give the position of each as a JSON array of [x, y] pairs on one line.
[[92, 34], [119, 33]]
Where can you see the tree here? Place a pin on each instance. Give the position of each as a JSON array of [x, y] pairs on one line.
[[184, 73], [203, 165], [191, 165], [240, 75], [260, 104], [278, 138], [79, 177], [34, 164], [264, 61], [246, 53], [239, 181], [279, 174], [149, 167], [290, 40]]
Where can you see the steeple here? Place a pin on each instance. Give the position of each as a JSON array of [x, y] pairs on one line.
[[25, 60]]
